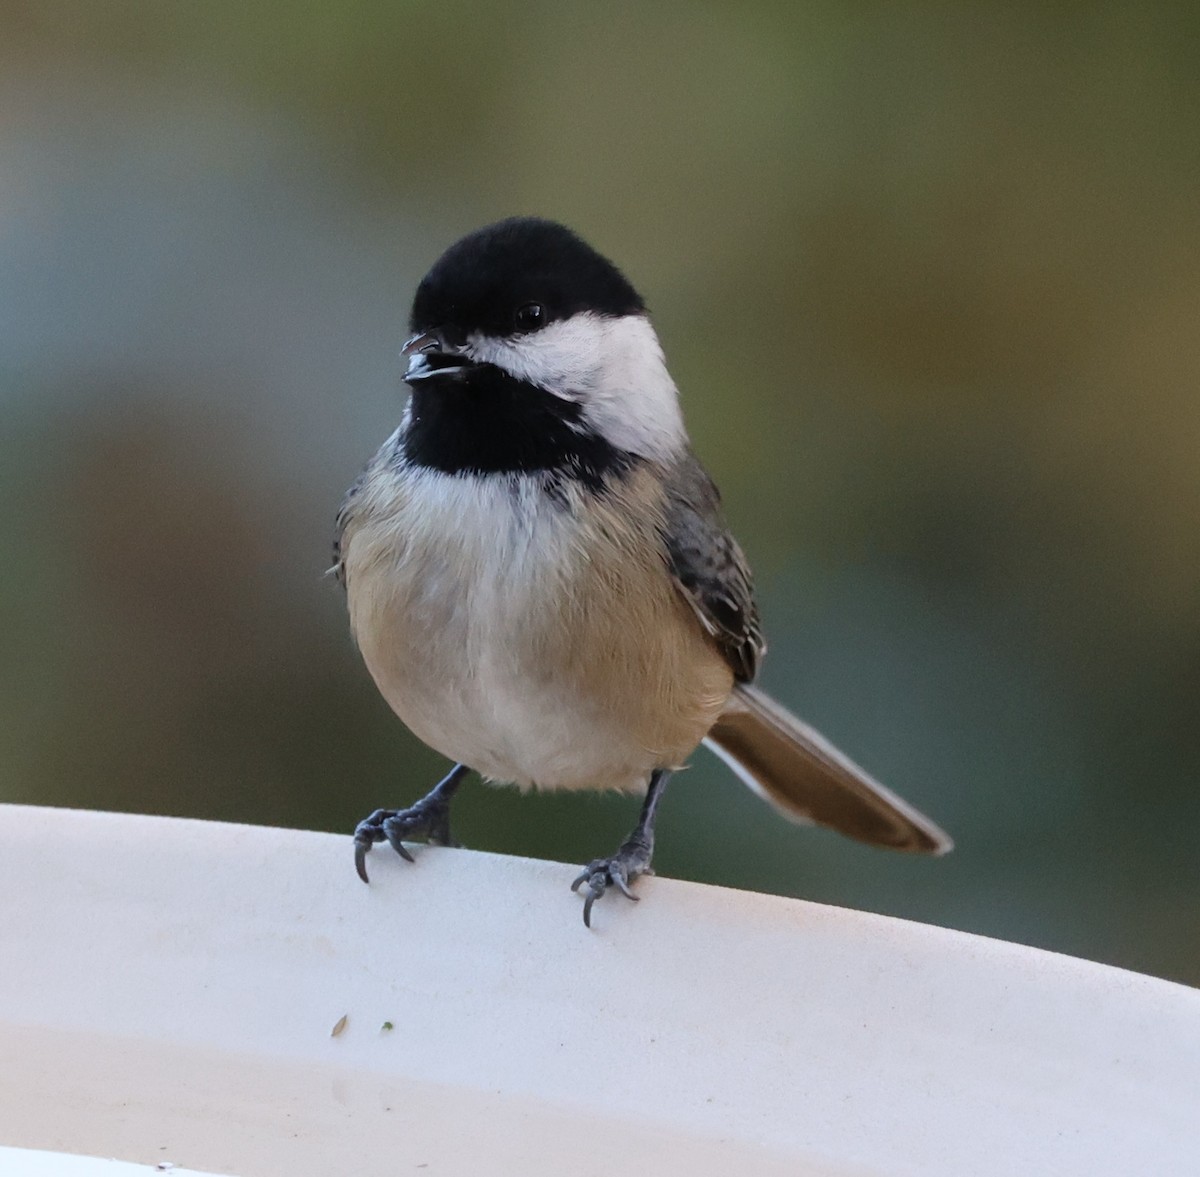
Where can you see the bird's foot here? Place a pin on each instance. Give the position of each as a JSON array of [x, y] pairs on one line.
[[631, 860], [427, 819]]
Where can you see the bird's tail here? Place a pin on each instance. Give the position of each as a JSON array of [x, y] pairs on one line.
[[808, 780]]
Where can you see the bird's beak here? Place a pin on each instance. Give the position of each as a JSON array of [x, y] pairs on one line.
[[429, 356]]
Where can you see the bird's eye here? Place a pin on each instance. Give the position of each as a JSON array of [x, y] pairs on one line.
[[530, 317]]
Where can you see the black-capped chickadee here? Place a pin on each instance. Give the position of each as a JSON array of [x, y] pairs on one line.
[[538, 575]]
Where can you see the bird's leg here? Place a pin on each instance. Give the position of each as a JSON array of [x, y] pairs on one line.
[[428, 818], [632, 857]]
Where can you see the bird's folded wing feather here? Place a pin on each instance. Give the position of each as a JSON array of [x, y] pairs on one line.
[[709, 568]]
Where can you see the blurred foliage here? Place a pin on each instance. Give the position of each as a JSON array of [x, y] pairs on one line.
[[927, 275]]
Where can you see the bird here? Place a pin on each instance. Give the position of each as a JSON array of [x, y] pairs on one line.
[[538, 573]]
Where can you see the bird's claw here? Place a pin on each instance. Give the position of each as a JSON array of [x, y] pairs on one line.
[[426, 819], [361, 850], [618, 871]]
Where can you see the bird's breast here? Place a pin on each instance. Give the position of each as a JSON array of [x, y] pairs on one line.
[[531, 631]]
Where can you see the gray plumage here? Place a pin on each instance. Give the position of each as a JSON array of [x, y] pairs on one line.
[[710, 568]]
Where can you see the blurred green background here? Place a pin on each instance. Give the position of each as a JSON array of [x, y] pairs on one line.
[[927, 275]]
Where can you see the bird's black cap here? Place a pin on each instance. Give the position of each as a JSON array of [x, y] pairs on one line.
[[483, 280]]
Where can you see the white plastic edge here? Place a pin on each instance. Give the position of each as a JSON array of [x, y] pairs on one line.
[[170, 989], [23, 1162]]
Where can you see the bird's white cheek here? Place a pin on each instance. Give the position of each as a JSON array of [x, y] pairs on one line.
[[612, 368], [634, 403], [564, 358]]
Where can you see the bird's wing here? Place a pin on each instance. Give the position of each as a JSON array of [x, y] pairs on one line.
[[709, 568]]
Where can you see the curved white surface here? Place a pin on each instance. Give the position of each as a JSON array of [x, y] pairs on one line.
[[24, 1162], [168, 989]]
